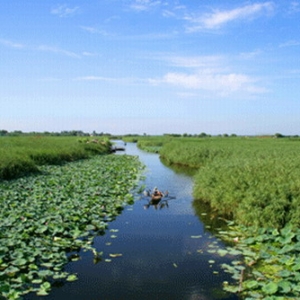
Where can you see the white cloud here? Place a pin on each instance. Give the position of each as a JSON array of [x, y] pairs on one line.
[[222, 84], [118, 80], [250, 55], [64, 11], [219, 18], [95, 78], [91, 54], [211, 61], [294, 7], [57, 51], [94, 30], [205, 81], [290, 43], [11, 44], [144, 5]]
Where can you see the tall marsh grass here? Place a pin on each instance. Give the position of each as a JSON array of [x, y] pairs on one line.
[[22, 155], [252, 180]]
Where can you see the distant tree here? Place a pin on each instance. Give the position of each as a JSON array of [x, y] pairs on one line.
[[16, 133], [278, 135], [3, 132], [172, 134], [202, 134]]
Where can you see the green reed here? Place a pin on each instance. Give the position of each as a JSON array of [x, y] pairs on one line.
[[22, 155]]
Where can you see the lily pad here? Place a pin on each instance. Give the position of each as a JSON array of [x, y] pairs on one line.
[[72, 277], [270, 288]]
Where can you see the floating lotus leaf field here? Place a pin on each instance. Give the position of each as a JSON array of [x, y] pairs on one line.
[[268, 262], [46, 219]]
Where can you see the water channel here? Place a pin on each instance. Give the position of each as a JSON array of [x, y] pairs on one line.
[[160, 252]]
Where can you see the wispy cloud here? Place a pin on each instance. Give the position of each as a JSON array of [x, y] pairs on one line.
[[206, 61], [95, 78], [250, 55], [91, 54], [64, 11], [12, 44], [294, 7], [144, 5], [118, 80], [218, 18], [290, 43], [95, 30], [57, 51]]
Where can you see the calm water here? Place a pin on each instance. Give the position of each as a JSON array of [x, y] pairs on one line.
[[160, 259]]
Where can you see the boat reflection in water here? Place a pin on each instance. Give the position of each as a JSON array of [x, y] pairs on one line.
[[157, 203], [157, 199]]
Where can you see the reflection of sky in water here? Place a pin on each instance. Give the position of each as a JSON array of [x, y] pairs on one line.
[[164, 251]]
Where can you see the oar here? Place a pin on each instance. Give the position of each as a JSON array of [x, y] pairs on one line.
[[171, 198], [147, 193]]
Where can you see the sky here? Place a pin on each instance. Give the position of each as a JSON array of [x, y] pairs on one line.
[[150, 66]]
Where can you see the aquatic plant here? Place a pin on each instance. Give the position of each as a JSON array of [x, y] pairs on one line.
[[267, 264], [46, 219]]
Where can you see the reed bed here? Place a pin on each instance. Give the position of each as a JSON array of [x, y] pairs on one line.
[[254, 181], [20, 156]]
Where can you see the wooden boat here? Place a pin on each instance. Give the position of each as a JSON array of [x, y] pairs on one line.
[[156, 197]]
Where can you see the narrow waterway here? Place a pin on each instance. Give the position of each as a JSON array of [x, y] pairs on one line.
[[153, 252]]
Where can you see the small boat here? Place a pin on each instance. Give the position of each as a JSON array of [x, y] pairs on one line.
[[156, 197]]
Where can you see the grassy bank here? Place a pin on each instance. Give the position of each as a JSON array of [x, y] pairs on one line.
[[256, 183], [23, 155]]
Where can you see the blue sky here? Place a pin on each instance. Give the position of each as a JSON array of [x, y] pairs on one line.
[[150, 66]]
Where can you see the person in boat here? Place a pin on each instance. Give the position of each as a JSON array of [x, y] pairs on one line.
[[157, 193]]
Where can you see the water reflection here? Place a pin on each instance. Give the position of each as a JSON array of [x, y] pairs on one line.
[[164, 248], [179, 169], [157, 204], [206, 215], [214, 222]]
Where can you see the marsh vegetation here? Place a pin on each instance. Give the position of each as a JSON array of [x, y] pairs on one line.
[[58, 193], [253, 182], [46, 218]]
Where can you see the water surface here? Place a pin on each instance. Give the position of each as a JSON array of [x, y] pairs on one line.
[[161, 251]]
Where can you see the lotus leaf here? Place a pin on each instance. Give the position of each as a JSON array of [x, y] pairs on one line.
[[270, 288], [45, 216], [285, 286], [72, 277]]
